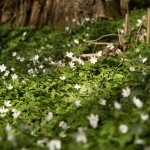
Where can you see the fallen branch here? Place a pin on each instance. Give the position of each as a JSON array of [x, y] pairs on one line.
[[106, 43], [100, 43], [89, 55], [113, 34]]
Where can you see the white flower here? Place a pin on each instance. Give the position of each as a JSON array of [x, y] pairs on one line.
[[110, 46], [11, 137], [36, 57], [18, 57], [30, 71], [126, 92], [87, 19], [49, 116], [9, 87], [139, 22], [123, 128], [7, 103], [99, 54], [74, 20], [24, 148], [74, 59], [77, 103], [63, 78], [12, 69], [69, 54], [14, 54], [67, 28], [21, 59], [63, 125], [76, 41], [77, 87], [16, 113], [24, 33], [93, 60], [144, 60], [8, 127], [81, 136], [2, 68], [93, 119], [41, 142], [80, 61], [23, 81], [137, 102], [86, 34], [54, 144], [117, 105], [140, 141], [132, 69], [102, 102], [14, 77], [72, 65], [121, 31], [62, 134], [3, 110], [41, 66], [137, 50], [6, 73], [144, 116]]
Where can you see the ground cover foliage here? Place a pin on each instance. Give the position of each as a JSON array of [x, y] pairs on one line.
[[50, 98]]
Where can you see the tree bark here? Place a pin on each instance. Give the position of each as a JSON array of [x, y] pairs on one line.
[[58, 13]]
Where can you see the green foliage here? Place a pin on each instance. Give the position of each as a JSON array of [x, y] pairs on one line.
[[44, 90]]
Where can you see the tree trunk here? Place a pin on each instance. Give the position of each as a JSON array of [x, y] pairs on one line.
[[58, 13]]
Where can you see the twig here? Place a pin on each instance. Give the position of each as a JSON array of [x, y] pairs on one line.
[[113, 34], [127, 25], [148, 25], [88, 55], [100, 43]]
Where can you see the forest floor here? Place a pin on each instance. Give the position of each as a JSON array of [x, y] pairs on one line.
[[60, 90]]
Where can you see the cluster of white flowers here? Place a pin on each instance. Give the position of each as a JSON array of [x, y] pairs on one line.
[[35, 59], [73, 60], [14, 54], [33, 72]]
